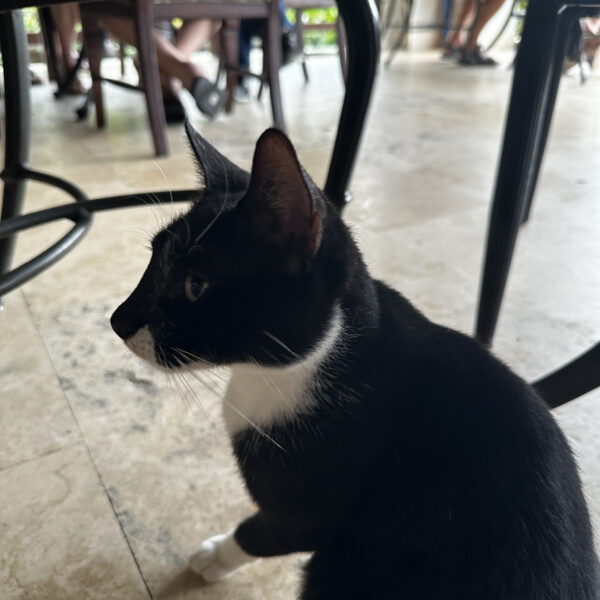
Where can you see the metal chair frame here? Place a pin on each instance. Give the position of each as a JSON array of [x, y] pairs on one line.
[[537, 74], [363, 58]]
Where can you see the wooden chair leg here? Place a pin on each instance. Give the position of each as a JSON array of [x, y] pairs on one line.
[[150, 75], [122, 58], [300, 34], [272, 41], [218, 47], [93, 42], [230, 48]]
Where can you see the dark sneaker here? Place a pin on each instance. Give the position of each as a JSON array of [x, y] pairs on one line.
[[209, 98], [475, 58]]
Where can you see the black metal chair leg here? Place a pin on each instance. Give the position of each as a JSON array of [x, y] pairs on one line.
[[571, 381], [15, 62], [557, 69], [529, 102], [362, 27]]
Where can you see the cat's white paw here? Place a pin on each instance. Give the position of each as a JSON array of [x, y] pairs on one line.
[[218, 557]]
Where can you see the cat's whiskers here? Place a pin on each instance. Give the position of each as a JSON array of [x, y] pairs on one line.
[[165, 178], [210, 224], [253, 424], [186, 384], [171, 379], [187, 368], [148, 201], [177, 386], [278, 341], [188, 231], [269, 381], [161, 207], [185, 354], [199, 378]]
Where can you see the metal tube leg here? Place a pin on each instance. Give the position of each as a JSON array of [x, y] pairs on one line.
[[522, 137], [572, 380], [557, 69], [362, 28], [13, 44]]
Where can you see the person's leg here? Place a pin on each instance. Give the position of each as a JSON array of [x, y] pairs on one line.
[[173, 64], [467, 13], [170, 60], [471, 54], [591, 27], [486, 11], [193, 35], [65, 18]]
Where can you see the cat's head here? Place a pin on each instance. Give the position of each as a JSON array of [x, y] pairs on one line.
[[252, 272]]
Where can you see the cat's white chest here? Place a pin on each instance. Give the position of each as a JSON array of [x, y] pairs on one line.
[[264, 396]]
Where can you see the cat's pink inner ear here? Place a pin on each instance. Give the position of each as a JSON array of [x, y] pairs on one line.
[[275, 167], [279, 199]]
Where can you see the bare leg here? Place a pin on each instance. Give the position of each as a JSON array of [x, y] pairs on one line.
[[190, 38], [170, 60], [487, 10], [466, 16], [194, 34], [65, 18]]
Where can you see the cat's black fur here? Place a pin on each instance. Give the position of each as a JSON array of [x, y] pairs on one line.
[[426, 470]]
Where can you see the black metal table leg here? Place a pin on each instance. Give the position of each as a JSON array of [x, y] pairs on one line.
[[531, 97], [362, 28], [17, 109]]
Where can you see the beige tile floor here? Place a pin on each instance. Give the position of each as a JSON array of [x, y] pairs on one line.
[[111, 475]]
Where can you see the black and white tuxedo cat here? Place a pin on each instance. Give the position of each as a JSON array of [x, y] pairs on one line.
[[413, 464]]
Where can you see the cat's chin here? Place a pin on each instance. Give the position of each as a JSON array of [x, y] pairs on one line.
[[142, 344]]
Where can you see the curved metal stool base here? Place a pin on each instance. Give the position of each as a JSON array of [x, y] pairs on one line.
[[80, 212]]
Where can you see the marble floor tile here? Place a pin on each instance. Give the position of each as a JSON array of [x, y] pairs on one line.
[[160, 447], [422, 187], [60, 538], [35, 416]]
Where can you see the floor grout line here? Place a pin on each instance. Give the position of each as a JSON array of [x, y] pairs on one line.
[[89, 453], [43, 454]]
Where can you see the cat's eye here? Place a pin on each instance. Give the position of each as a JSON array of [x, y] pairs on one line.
[[194, 287]]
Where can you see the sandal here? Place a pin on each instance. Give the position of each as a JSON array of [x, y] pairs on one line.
[[209, 98], [476, 58]]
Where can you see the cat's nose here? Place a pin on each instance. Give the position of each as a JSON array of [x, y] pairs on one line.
[[123, 324]]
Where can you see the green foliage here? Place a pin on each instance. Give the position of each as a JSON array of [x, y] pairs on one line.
[[32, 23], [317, 16]]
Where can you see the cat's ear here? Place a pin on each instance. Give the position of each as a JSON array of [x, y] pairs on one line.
[[220, 175], [285, 206]]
